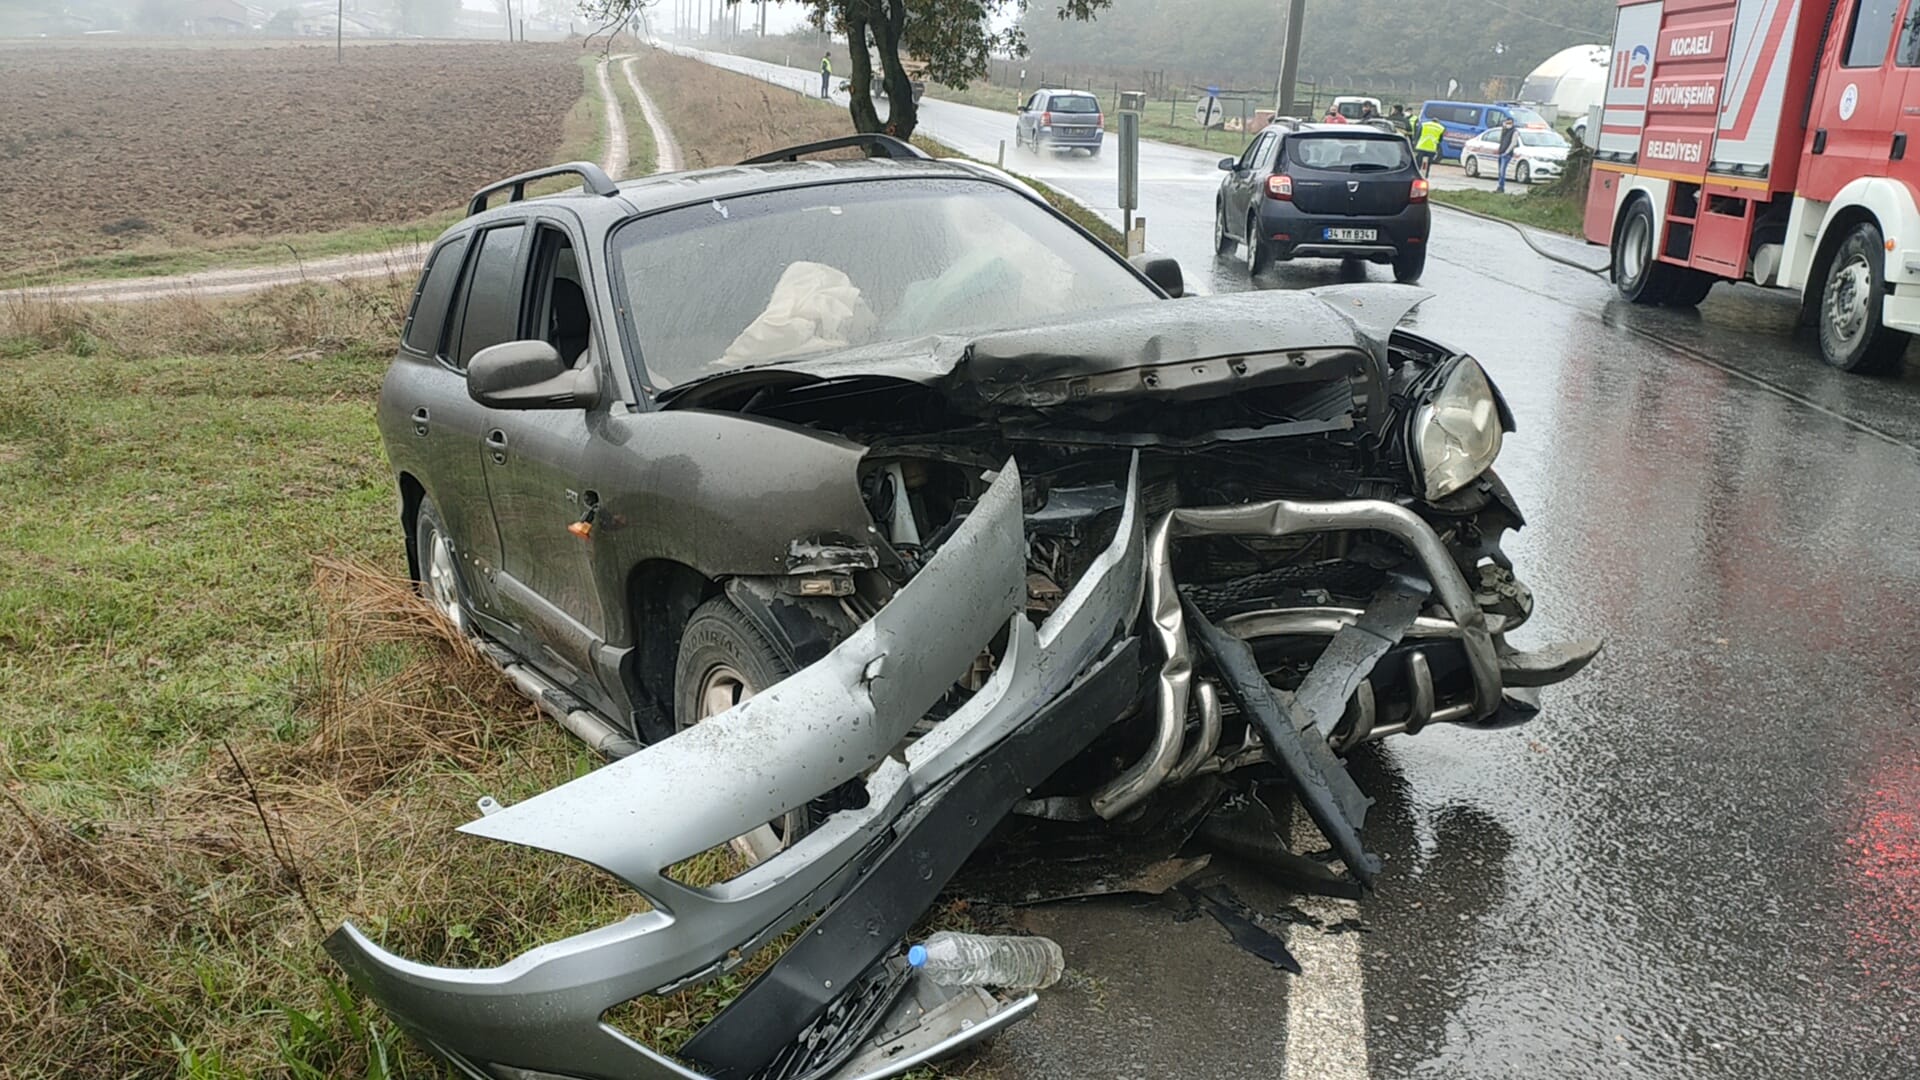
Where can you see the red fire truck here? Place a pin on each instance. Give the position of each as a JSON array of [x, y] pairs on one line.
[[1766, 141]]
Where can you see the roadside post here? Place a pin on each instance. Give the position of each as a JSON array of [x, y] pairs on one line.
[[1131, 102]]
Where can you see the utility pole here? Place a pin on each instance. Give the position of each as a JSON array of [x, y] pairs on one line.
[[1290, 57], [339, 31]]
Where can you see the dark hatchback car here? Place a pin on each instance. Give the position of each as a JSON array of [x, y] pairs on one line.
[[1325, 192], [855, 506]]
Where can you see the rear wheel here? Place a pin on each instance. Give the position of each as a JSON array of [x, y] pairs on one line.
[[1408, 265], [1093, 151], [1852, 337], [1635, 273], [1472, 165], [724, 661], [1258, 258]]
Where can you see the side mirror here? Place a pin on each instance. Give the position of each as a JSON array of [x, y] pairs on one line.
[[1228, 164], [1162, 271], [528, 375]]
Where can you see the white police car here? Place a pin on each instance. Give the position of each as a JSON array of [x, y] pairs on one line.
[[1538, 154]]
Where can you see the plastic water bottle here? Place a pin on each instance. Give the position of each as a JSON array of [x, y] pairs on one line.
[[1011, 963]]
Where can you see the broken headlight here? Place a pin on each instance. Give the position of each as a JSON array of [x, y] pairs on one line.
[[1456, 434]]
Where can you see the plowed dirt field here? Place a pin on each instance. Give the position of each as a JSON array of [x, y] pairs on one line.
[[116, 149]]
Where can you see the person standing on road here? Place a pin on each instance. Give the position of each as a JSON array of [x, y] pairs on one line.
[[1397, 116], [1508, 136], [1428, 146], [826, 72]]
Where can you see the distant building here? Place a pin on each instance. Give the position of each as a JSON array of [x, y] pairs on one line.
[[225, 17]]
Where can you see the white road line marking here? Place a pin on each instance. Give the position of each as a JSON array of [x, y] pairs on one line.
[[1326, 1008]]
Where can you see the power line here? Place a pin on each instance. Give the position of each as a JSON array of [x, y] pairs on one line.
[[1523, 13]]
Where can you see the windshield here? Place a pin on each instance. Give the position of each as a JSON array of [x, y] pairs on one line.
[[771, 276], [1075, 103], [1543, 138], [1354, 154]]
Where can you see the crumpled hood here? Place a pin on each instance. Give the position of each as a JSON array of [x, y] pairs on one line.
[[993, 365]]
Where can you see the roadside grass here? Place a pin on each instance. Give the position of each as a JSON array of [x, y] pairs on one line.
[[1543, 208], [226, 722], [641, 153], [722, 117], [581, 138]]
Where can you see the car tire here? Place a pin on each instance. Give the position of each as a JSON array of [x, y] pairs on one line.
[[1637, 274], [1523, 174], [1093, 151], [1409, 265], [1258, 256], [1852, 337], [724, 660], [1471, 164], [1222, 240], [438, 559]]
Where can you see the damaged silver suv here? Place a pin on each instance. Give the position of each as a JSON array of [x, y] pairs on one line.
[[852, 506]]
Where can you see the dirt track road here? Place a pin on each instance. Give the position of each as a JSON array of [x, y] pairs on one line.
[[403, 260]]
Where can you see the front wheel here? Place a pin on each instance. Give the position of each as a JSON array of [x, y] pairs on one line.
[[1472, 165], [1852, 337], [724, 661], [1523, 173], [1408, 265], [439, 562], [1222, 241]]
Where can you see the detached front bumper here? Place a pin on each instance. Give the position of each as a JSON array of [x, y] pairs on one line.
[[873, 870], [838, 1004]]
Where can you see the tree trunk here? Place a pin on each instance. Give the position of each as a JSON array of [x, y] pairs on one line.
[[860, 73], [902, 114]]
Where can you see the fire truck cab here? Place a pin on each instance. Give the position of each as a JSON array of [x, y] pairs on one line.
[[1767, 141]]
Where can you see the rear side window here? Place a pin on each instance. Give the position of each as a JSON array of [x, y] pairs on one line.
[[492, 307], [1872, 31], [1353, 155], [1073, 103], [429, 315]]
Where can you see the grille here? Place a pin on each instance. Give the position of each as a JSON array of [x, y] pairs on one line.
[[829, 1042], [1286, 586]]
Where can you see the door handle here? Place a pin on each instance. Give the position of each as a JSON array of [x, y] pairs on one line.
[[497, 446], [420, 421]]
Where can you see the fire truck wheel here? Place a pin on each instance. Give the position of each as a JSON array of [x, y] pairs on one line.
[[1639, 277], [1852, 337]]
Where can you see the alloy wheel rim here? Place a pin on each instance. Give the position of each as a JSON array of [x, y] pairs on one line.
[[722, 688], [1846, 300], [441, 581]]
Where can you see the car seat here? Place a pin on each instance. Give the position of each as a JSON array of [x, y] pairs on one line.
[[568, 323]]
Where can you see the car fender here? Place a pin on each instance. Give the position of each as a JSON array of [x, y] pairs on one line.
[[1891, 203], [718, 492]]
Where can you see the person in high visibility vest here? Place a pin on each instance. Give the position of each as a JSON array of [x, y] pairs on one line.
[[826, 72], [1428, 147]]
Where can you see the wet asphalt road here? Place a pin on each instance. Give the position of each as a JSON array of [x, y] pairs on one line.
[[1703, 860]]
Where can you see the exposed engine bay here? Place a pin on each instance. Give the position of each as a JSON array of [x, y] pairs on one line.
[[1104, 558]]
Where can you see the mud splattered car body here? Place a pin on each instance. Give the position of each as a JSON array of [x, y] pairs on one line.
[[1011, 529]]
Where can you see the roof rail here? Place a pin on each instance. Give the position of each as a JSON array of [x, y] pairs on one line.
[[876, 145], [592, 178]]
